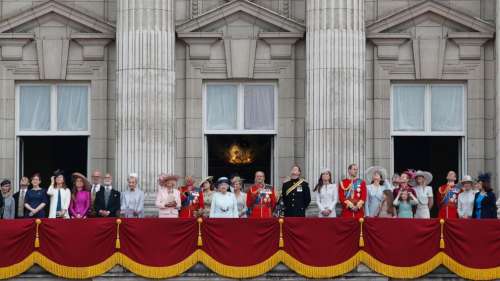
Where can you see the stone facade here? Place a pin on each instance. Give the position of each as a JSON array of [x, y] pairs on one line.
[[124, 49]]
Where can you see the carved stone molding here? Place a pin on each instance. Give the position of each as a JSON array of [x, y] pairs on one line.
[[200, 43], [93, 44], [281, 43], [12, 45], [388, 44], [469, 43]]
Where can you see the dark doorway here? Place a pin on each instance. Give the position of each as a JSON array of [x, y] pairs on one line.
[[239, 154], [437, 155], [44, 155]]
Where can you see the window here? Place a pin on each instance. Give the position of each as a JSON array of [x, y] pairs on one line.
[[240, 108], [53, 109], [428, 109]]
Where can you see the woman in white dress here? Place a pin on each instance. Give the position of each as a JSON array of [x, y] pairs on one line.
[[241, 197], [375, 190], [224, 203], [424, 194], [60, 196], [327, 195]]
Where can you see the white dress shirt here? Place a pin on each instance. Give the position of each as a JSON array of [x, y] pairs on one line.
[[465, 203]]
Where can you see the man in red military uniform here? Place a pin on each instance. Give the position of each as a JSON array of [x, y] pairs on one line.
[[261, 199], [447, 197], [191, 200], [352, 194]]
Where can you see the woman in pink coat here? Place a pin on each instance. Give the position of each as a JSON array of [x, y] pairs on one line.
[[79, 205], [168, 199]]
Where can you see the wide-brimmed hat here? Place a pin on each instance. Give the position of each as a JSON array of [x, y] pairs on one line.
[[426, 175], [165, 177], [206, 179], [466, 179], [375, 169], [222, 180], [85, 181]]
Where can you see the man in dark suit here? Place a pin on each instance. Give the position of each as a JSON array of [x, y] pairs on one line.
[[295, 195], [107, 200], [19, 197]]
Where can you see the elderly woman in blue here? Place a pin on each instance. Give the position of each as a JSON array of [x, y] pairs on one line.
[[224, 204]]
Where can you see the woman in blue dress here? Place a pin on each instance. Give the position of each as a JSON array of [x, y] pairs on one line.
[[35, 200]]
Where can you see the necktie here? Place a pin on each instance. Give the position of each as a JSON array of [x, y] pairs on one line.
[[20, 206], [59, 205]]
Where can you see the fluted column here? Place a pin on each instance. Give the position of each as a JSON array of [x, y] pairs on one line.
[[145, 97], [335, 95]]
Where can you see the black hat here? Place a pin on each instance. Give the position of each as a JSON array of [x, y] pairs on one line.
[[5, 182], [484, 177], [58, 172]]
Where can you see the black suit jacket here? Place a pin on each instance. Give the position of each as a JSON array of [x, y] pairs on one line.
[[297, 201], [113, 203]]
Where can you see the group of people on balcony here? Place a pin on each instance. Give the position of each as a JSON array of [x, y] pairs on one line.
[[406, 196]]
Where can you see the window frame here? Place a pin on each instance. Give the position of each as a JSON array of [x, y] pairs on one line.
[[240, 130], [53, 131], [428, 111]]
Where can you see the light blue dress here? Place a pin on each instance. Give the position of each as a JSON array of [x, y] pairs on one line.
[[224, 206], [374, 198], [405, 208]]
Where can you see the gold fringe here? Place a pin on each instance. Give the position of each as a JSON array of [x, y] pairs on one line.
[[18, 268], [441, 241], [118, 243], [281, 243], [320, 272], [250, 271], [158, 272], [240, 271], [361, 239], [468, 272], [76, 272], [398, 271], [200, 240], [37, 236]]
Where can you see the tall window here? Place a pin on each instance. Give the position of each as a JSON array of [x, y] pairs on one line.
[[428, 109], [240, 108], [52, 109]]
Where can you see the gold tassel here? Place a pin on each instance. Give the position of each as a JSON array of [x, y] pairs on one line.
[[200, 240], [281, 242], [37, 237], [361, 239], [441, 241], [117, 243]]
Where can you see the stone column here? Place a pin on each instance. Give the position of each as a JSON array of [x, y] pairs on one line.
[[496, 177], [335, 94], [145, 98]]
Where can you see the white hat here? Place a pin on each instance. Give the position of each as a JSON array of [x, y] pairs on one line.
[[467, 178], [375, 169], [427, 176], [133, 175]]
